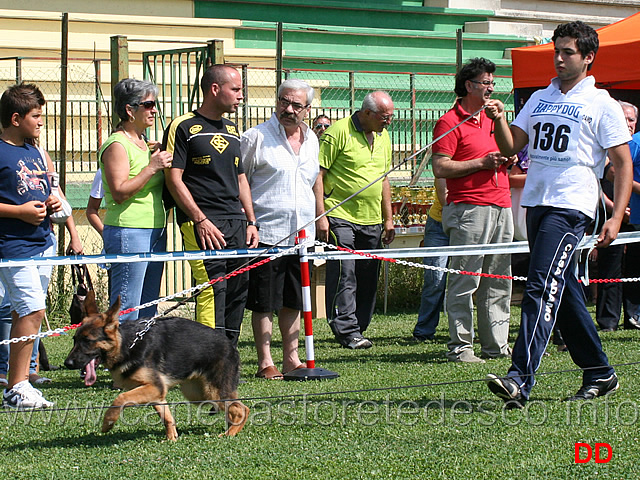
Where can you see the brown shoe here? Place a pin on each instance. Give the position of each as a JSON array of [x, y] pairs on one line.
[[270, 373]]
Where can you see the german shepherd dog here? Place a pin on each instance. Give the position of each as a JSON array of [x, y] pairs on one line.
[[174, 351]]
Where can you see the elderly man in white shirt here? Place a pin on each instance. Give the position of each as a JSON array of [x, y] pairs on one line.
[[280, 159]]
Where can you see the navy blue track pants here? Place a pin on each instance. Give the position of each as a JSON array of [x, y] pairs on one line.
[[553, 294]]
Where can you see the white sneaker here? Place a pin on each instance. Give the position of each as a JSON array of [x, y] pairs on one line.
[[24, 397]]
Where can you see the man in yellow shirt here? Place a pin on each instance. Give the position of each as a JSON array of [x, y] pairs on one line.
[[353, 152]]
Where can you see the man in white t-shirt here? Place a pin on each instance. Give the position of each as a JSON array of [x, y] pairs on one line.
[[571, 127]]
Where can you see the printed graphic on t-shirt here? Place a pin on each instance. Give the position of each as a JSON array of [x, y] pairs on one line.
[[556, 132], [219, 143], [30, 180]]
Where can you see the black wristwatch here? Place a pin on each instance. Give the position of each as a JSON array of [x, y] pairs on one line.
[[253, 224]]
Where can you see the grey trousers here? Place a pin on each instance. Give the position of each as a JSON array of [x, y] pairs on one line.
[[351, 284], [474, 225]]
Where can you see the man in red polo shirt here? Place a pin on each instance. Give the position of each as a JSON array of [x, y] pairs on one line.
[[478, 211]]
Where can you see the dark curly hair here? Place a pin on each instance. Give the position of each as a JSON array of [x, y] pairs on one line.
[[471, 70], [586, 37]]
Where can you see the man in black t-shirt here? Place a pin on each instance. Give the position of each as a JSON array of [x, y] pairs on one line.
[[214, 207]]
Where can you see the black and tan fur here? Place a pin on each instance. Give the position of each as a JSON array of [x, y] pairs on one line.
[[174, 351]]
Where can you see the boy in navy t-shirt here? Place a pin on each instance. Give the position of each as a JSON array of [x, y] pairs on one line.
[[25, 205]]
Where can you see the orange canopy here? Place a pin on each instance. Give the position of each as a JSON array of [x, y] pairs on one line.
[[617, 63]]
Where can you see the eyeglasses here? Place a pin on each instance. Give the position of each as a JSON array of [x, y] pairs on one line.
[[297, 107], [149, 104], [322, 126], [385, 118], [486, 83]]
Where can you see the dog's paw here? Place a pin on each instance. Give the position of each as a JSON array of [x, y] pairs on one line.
[[172, 433], [110, 419], [107, 425]]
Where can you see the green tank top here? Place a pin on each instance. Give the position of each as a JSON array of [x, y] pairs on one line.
[[145, 208]]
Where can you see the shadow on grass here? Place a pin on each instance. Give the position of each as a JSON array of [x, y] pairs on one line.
[[104, 381], [68, 422], [383, 357], [379, 341], [477, 405], [90, 440], [612, 336]]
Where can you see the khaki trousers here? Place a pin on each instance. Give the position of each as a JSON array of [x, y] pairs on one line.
[[474, 225]]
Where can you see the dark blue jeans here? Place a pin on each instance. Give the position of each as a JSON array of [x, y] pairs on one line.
[[435, 282]]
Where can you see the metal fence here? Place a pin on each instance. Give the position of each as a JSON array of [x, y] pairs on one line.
[[86, 120], [420, 99]]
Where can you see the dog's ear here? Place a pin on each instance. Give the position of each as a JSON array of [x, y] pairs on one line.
[[112, 317], [113, 312], [89, 305]]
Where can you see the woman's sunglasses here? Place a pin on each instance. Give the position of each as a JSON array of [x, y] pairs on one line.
[[149, 104]]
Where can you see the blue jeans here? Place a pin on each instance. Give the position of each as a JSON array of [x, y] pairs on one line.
[[435, 282], [135, 282], [5, 334]]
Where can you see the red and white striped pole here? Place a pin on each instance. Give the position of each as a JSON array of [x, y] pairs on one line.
[[306, 300], [311, 372]]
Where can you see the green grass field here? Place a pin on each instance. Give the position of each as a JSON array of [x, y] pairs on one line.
[[399, 410]]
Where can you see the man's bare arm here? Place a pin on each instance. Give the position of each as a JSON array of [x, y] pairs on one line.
[[620, 157]]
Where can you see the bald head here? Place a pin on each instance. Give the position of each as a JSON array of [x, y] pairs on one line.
[[218, 74], [376, 112], [377, 101], [630, 114], [221, 90]]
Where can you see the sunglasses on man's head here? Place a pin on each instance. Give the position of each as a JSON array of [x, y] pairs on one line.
[[149, 104]]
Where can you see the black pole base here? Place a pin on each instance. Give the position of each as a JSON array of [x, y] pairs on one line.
[[303, 374]]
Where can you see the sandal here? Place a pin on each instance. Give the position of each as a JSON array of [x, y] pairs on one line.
[[270, 373]]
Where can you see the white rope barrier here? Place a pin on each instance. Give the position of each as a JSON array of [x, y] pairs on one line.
[[139, 257], [486, 249], [59, 331], [418, 252], [462, 250]]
